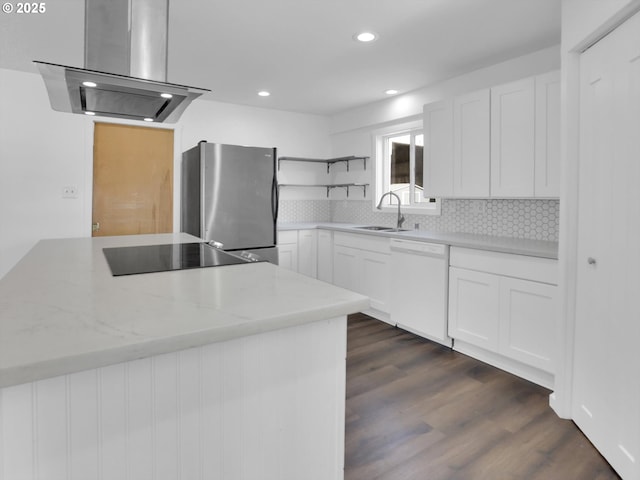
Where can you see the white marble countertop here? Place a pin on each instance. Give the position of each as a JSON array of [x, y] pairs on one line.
[[518, 246], [62, 311]]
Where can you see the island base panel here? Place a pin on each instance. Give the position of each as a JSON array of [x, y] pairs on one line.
[[268, 406]]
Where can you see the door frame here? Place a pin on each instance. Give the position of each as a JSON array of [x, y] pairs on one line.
[[89, 132]]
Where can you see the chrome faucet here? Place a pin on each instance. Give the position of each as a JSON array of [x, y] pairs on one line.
[[400, 216]]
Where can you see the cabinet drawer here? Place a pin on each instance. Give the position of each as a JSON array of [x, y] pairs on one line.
[[287, 236], [538, 269], [362, 242]]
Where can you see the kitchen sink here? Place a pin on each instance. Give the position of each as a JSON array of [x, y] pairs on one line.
[[374, 227], [383, 229]]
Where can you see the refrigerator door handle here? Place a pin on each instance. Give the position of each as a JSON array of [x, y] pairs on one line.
[[274, 200]]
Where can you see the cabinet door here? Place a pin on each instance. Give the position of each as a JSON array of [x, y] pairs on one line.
[[547, 154], [288, 256], [528, 321], [471, 145], [513, 139], [474, 307], [307, 256], [325, 256], [345, 268], [438, 149], [375, 278]]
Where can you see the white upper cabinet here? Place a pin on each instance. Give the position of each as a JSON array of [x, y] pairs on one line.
[[471, 146], [438, 149], [502, 142], [547, 158], [513, 139]]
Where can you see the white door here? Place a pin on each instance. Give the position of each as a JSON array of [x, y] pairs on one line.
[[606, 390]]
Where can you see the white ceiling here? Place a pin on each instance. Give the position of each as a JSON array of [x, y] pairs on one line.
[[302, 51]]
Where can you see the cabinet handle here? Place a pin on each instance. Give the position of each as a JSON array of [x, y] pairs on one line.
[[591, 261]]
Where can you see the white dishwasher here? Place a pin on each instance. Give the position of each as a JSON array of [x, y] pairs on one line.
[[419, 287]]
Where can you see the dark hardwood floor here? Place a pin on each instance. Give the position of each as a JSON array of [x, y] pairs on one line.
[[418, 410]]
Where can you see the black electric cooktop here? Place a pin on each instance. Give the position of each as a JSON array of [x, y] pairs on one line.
[[162, 258]]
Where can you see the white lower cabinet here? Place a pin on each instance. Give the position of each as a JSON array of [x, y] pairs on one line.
[[345, 267], [474, 307], [503, 310], [325, 256], [375, 279], [307, 256], [297, 251], [362, 263], [528, 310], [288, 249]]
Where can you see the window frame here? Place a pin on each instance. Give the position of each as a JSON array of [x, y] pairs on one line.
[[382, 169]]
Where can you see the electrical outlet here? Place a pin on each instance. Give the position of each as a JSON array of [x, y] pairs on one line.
[[70, 191]]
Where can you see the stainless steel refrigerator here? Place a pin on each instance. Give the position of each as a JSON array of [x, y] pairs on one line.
[[230, 195]]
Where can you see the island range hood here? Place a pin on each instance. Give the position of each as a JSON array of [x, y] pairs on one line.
[[125, 66]]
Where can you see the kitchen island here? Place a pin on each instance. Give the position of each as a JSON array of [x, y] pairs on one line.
[[228, 372]]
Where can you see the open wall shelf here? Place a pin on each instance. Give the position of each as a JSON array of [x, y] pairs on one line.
[[328, 161], [346, 186]]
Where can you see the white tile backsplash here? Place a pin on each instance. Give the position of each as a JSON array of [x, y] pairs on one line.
[[519, 218], [304, 211]]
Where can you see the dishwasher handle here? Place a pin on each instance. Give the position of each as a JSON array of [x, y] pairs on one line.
[[419, 248]]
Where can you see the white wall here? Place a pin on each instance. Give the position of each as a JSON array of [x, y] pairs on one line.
[[41, 151], [294, 134]]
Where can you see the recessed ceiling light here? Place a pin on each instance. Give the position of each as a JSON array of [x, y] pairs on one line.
[[89, 113], [365, 37], [148, 119], [391, 91], [89, 84], [264, 93], [166, 95]]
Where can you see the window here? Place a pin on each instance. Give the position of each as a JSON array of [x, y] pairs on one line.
[[399, 170]]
